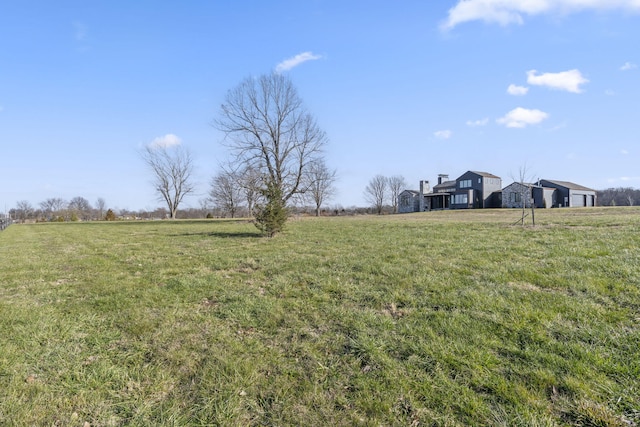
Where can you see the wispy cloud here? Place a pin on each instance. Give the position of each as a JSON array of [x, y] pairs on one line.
[[609, 92], [624, 152], [169, 140], [522, 117], [505, 12], [476, 123], [443, 134], [80, 31], [300, 58], [623, 179], [517, 90], [565, 80], [628, 66]]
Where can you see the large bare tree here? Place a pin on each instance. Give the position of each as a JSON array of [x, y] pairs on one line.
[[172, 168], [269, 130], [320, 184], [376, 192]]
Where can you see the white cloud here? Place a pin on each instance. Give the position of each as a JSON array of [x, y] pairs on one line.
[[624, 152], [476, 123], [609, 92], [517, 90], [505, 12], [564, 80], [443, 134], [522, 117], [169, 140], [628, 66], [290, 63]]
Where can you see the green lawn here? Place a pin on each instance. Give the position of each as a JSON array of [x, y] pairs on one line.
[[432, 319]]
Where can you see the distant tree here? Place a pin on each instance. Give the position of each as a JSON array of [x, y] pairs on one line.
[[204, 204], [250, 182], [172, 169], [525, 179], [375, 192], [271, 217], [24, 210], [52, 208], [269, 130], [396, 185], [100, 205], [79, 208], [225, 191], [110, 215], [320, 184]]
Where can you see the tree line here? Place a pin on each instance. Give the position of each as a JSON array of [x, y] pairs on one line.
[[620, 196], [58, 209]]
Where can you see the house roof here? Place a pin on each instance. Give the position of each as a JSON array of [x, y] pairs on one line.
[[445, 184], [569, 185], [412, 192], [516, 183], [485, 174]]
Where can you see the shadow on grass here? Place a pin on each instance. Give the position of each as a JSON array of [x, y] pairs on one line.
[[223, 234]]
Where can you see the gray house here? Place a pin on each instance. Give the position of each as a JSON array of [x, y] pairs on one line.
[[477, 190], [566, 194], [514, 194], [547, 194], [472, 190]]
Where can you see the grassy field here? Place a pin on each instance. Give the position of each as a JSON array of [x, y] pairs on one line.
[[432, 319]]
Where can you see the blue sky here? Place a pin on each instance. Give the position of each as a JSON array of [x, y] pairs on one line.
[[411, 88]]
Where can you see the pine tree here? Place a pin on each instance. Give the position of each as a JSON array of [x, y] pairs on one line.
[[271, 217]]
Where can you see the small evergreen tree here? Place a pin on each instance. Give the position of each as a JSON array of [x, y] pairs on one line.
[[110, 216], [271, 217]]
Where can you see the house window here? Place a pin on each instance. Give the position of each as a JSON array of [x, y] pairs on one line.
[[479, 180], [460, 199], [515, 197], [465, 183]]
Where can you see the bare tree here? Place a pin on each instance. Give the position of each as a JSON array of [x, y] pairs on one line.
[[53, 207], [80, 207], [172, 169], [250, 183], [396, 184], [525, 179], [23, 210], [376, 192], [225, 191], [269, 130], [101, 204], [320, 184]]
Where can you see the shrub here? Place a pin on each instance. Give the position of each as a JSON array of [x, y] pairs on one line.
[[271, 217], [110, 216]]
